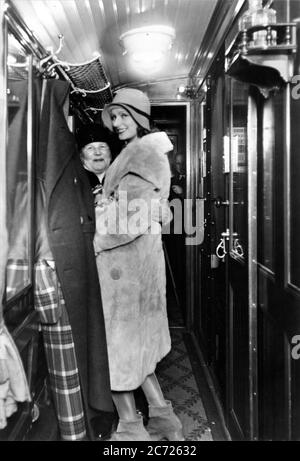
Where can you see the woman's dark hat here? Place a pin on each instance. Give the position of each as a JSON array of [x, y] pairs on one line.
[[96, 133]]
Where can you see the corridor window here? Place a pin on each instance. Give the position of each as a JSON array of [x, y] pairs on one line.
[[18, 221]]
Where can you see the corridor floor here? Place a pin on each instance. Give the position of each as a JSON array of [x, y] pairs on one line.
[[183, 381], [178, 383]]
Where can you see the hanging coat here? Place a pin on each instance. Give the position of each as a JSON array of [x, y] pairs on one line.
[[131, 261], [70, 227]]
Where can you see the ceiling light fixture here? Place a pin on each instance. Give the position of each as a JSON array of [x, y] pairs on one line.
[[186, 92], [148, 46]]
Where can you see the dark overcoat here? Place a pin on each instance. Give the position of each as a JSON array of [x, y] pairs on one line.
[[70, 228]]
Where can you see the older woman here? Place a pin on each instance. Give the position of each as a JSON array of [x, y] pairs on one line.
[[131, 268]]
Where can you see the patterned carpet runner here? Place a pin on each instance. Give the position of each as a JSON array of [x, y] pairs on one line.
[[178, 384]]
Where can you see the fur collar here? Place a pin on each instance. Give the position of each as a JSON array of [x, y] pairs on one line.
[[145, 157]]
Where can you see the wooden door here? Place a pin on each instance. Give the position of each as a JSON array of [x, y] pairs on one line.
[[241, 254], [278, 269], [227, 324], [210, 316]]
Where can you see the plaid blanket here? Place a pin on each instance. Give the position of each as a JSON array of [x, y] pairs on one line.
[[60, 352], [17, 276]]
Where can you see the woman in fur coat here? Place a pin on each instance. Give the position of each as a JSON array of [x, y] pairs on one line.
[[131, 268]]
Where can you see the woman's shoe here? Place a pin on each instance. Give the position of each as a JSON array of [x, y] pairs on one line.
[[131, 430], [164, 424]]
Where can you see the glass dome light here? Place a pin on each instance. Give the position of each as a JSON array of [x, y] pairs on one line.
[[147, 46]]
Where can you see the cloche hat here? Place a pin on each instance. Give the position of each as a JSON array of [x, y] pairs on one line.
[[135, 102]]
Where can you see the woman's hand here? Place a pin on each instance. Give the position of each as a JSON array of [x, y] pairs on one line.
[[177, 189]]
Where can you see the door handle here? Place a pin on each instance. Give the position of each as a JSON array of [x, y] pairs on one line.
[[221, 250], [219, 202], [237, 247]]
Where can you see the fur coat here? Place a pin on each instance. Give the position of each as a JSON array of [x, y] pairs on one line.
[[131, 263]]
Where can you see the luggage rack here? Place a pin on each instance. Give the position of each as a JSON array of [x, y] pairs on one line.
[[88, 79], [90, 88]]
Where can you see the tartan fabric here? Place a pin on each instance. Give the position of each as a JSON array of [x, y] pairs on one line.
[[60, 353], [48, 299], [17, 276]]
